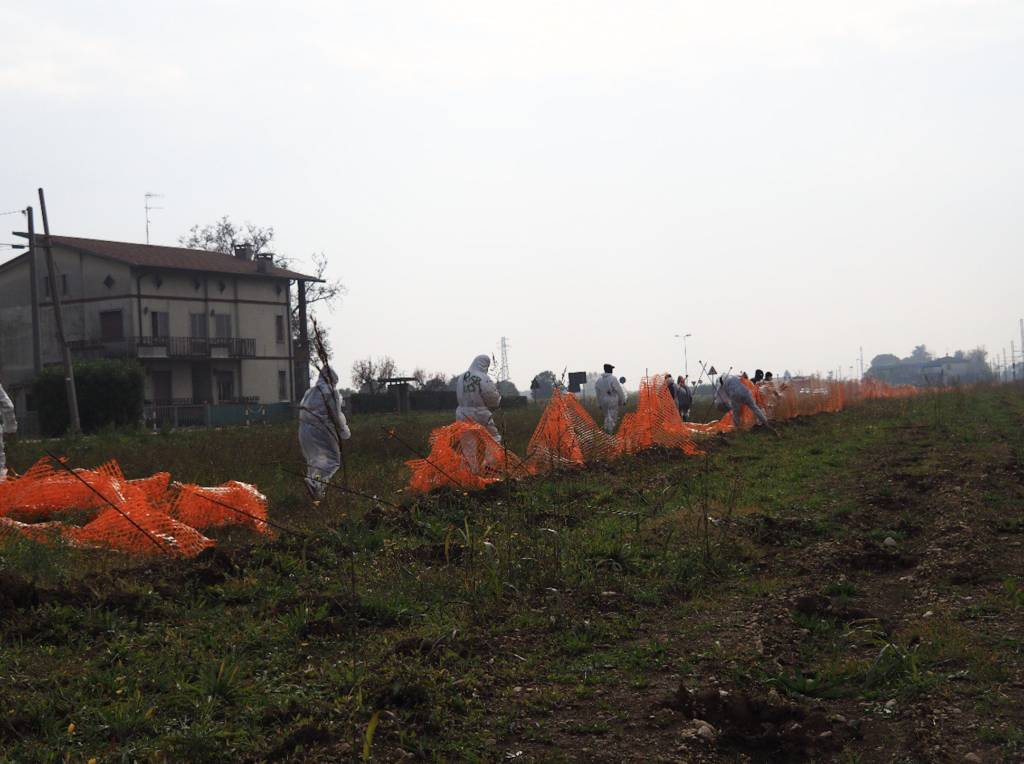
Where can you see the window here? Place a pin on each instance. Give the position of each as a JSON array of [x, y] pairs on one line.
[[222, 326], [197, 323], [280, 328], [282, 385], [161, 323], [225, 386], [111, 325], [63, 285]]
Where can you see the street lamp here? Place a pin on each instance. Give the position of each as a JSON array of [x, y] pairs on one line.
[[686, 360]]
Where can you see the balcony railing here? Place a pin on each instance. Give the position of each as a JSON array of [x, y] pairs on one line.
[[175, 416], [249, 400], [173, 347]]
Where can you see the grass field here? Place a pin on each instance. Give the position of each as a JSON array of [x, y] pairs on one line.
[[849, 592]]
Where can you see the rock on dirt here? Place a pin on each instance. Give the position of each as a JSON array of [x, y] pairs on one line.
[[783, 729]]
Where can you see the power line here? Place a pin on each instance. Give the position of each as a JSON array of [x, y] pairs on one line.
[[13, 212]]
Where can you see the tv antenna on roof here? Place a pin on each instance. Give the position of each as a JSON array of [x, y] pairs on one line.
[[149, 207]]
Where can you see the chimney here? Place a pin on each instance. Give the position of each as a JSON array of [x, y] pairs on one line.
[[261, 263], [243, 251]]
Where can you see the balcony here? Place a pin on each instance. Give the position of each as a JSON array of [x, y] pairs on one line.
[[184, 348], [248, 400]]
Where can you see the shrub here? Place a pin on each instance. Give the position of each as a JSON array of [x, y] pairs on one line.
[[110, 392]]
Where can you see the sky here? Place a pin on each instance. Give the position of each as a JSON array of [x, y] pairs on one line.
[[785, 181]]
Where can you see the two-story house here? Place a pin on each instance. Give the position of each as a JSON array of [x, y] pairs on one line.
[[208, 327]]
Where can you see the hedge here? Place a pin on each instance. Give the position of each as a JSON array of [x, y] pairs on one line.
[[109, 392]]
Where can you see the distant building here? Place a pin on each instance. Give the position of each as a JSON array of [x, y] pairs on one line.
[[209, 328], [945, 371], [940, 371]]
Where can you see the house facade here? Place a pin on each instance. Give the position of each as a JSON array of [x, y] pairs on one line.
[[208, 328]]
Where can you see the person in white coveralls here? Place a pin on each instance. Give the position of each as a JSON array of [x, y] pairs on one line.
[[10, 427], [610, 396], [477, 395], [322, 427]]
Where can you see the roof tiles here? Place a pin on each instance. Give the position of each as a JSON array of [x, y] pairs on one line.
[[156, 256]]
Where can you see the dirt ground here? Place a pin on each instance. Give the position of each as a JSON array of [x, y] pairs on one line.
[[948, 566]]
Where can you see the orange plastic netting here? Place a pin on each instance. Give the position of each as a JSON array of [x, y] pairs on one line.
[[656, 421], [568, 436], [233, 503], [463, 455], [101, 508]]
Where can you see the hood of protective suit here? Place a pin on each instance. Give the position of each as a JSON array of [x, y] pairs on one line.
[[321, 396], [476, 389], [328, 376], [481, 364], [732, 385]]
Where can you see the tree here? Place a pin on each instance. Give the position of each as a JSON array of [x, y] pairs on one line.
[[507, 387], [978, 369], [919, 354], [430, 383], [224, 236], [885, 359], [547, 382], [978, 355], [367, 373]]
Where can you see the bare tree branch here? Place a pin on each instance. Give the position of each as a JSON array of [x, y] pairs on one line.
[[367, 374]]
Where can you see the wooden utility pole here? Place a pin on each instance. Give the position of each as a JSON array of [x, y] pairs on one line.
[[33, 270], [69, 374], [302, 351]]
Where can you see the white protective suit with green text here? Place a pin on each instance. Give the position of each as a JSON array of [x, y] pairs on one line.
[[477, 395]]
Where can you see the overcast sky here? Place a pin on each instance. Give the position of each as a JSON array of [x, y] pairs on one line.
[[786, 181]]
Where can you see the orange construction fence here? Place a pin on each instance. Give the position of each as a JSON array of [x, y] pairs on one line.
[[567, 436], [100, 508]]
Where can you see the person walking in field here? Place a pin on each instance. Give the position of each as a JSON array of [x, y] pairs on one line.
[[322, 427], [10, 427], [477, 394], [610, 396], [733, 394]]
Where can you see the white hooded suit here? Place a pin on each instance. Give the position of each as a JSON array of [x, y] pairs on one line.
[[477, 395], [10, 426], [732, 393], [321, 424], [610, 396]]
